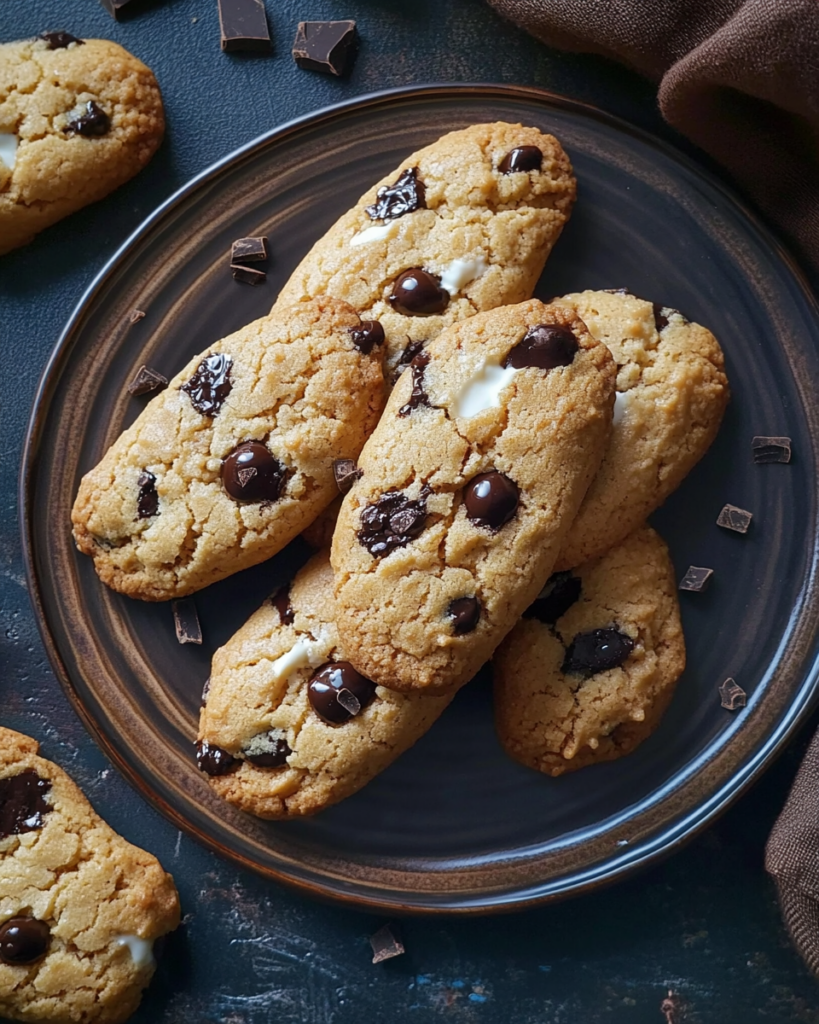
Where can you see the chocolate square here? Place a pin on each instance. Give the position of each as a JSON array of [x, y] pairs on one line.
[[115, 7], [326, 46], [696, 578], [247, 275], [243, 24], [771, 449], [732, 696], [736, 519], [186, 622], [385, 944], [146, 380], [249, 250]]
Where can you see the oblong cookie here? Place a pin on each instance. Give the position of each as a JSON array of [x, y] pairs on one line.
[[78, 118], [235, 457], [671, 394], [469, 484], [80, 908], [558, 706], [258, 706], [461, 210]]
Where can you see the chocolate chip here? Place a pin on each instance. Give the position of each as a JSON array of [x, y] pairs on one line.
[[386, 944], [210, 385], [23, 940], [147, 498], [249, 250], [391, 522], [22, 803], [327, 46], [417, 293], [736, 519], [337, 692], [268, 749], [213, 760], [243, 25], [59, 40], [771, 449], [731, 694], [145, 380], [248, 275], [346, 473], [597, 650], [491, 499], [521, 158], [281, 602], [696, 578], [186, 622], [562, 590], [365, 337], [545, 346], [418, 396], [404, 196], [251, 473], [93, 123], [465, 613]]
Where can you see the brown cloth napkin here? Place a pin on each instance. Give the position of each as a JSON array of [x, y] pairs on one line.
[[740, 78]]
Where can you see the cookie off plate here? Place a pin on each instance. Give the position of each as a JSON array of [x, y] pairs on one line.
[[453, 825]]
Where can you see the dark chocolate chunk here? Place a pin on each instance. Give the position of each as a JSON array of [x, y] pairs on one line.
[[147, 498], [147, 380], [59, 40], [403, 196], [268, 749], [562, 590], [491, 499], [23, 940], [249, 250], [281, 602], [247, 275], [410, 352], [771, 449], [385, 944], [251, 473], [22, 803], [696, 578], [417, 293], [114, 7], [465, 613], [733, 518], [545, 346], [418, 396], [597, 650], [367, 336], [211, 384], [346, 473], [327, 46], [93, 123], [135, 316], [243, 25], [337, 692], [391, 522], [731, 695], [521, 158], [213, 760], [662, 315], [186, 621]]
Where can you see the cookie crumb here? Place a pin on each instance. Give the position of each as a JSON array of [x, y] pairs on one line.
[[186, 622], [771, 449], [697, 578], [736, 519], [135, 316], [147, 379], [385, 944], [732, 696]]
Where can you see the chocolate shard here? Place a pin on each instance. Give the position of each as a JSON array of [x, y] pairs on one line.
[[771, 449], [94, 123], [249, 250], [146, 380], [326, 46], [186, 622], [346, 473], [386, 944], [59, 40], [697, 578], [243, 24], [736, 519], [731, 695], [135, 316], [418, 395], [147, 497], [247, 275]]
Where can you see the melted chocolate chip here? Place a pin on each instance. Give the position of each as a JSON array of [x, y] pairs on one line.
[[491, 499], [596, 651], [213, 760], [465, 613], [22, 803], [545, 346], [418, 395], [560, 593], [210, 385], [417, 293], [250, 473], [367, 336], [337, 692], [410, 352], [281, 602], [93, 123], [268, 749], [521, 158], [147, 498], [391, 522], [59, 40], [23, 940], [404, 196]]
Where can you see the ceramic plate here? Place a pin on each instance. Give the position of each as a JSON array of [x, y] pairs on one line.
[[454, 825]]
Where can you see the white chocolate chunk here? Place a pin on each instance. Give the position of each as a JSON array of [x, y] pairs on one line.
[[483, 389], [621, 403], [300, 655], [460, 273], [376, 233], [8, 149], [141, 950]]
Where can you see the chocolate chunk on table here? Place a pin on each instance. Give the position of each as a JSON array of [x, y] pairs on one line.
[[771, 449], [145, 380], [696, 578], [249, 250], [243, 24], [114, 7], [327, 46], [247, 275], [733, 518], [186, 622], [732, 696], [385, 944]]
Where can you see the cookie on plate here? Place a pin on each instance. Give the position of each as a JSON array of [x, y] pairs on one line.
[[461, 226], [78, 118], [468, 487], [235, 457], [288, 726], [589, 670], [80, 908], [671, 394]]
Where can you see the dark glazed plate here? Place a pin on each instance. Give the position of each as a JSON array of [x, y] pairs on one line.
[[454, 825]]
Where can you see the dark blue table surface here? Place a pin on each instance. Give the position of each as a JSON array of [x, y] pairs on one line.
[[704, 923]]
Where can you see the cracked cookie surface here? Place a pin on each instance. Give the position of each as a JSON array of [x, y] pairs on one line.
[[553, 711], [49, 169], [175, 505], [470, 482], [258, 702], [80, 908]]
